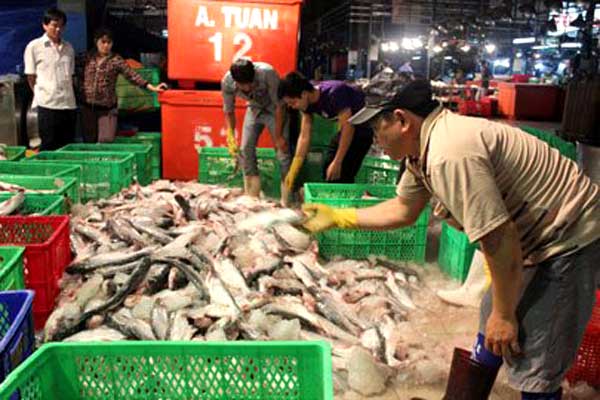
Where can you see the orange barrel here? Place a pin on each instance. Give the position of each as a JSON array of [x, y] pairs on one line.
[[206, 36], [192, 119]]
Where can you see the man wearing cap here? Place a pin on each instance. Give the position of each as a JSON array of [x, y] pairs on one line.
[[257, 83], [533, 211], [334, 100]]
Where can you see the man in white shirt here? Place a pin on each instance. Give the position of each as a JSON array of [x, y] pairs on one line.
[[50, 66]]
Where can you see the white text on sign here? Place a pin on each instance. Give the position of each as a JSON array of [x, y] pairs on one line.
[[240, 18]]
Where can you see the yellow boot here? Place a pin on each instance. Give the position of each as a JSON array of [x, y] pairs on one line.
[[252, 186], [477, 283]]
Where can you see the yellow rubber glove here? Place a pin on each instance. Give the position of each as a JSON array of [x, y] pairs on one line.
[[292, 174], [232, 144], [322, 217]]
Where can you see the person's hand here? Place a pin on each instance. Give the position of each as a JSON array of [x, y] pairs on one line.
[[322, 217], [334, 171], [281, 144], [292, 174], [232, 144], [502, 335], [161, 87]]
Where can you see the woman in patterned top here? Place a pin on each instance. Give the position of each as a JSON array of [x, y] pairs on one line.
[[101, 68]]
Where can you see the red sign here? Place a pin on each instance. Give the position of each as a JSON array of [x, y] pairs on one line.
[[206, 36]]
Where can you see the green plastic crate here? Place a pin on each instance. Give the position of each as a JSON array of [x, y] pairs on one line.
[[565, 148], [455, 252], [216, 167], [14, 153], [379, 171], [148, 138], [11, 268], [26, 167], [50, 185], [142, 168], [102, 173], [39, 204], [323, 131], [312, 170], [174, 371], [133, 98], [407, 244]]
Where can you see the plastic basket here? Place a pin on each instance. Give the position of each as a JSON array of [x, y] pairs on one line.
[[408, 244], [39, 204], [30, 168], [16, 329], [216, 167], [142, 168], [379, 171], [313, 169], [47, 253], [102, 173], [455, 252], [148, 138], [11, 268], [49, 185], [323, 131], [565, 148], [133, 98], [14, 153], [175, 371], [586, 367]]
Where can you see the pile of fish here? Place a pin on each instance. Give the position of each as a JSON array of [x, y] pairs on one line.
[[194, 262]]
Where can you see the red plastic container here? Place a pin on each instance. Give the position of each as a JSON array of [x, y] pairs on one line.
[[482, 108], [193, 119], [587, 364], [47, 253], [529, 101], [205, 36]]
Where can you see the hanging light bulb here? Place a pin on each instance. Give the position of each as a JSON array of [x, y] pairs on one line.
[[490, 48]]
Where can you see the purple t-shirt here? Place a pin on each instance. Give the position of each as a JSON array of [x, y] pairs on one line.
[[335, 97]]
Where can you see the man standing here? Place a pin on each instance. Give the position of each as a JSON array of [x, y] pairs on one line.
[[334, 100], [50, 66], [258, 84], [534, 213]]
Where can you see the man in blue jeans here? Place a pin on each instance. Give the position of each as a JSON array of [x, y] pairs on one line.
[[534, 213]]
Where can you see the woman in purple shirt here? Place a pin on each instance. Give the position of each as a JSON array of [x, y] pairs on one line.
[[334, 100]]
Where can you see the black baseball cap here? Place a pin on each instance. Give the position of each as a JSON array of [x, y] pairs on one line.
[[389, 91]]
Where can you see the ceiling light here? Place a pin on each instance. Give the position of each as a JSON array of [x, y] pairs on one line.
[[466, 48], [519, 54], [437, 48], [490, 48], [525, 40]]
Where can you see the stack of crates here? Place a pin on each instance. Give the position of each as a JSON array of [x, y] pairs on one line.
[[151, 139]]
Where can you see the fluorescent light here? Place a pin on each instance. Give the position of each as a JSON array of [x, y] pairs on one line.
[[524, 40], [466, 48], [394, 46], [448, 58], [437, 48], [545, 47], [416, 58], [385, 46], [490, 48], [537, 55], [571, 45], [519, 54]]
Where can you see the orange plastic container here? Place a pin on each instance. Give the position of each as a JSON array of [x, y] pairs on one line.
[[192, 119], [205, 36], [529, 101]]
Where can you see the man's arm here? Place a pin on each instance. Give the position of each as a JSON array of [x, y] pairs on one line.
[[303, 144], [31, 81], [391, 214], [230, 120], [29, 63], [502, 251]]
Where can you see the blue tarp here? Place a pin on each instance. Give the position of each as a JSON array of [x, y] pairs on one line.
[[20, 22]]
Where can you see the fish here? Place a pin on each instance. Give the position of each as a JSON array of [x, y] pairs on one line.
[[153, 231], [159, 320], [124, 322], [101, 334], [11, 205], [399, 293], [108, 259], [181, 330]]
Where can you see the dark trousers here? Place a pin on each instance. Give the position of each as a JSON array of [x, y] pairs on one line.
[[359, 147], [56, 127]]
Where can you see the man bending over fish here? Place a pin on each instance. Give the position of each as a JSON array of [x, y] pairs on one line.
[[533, 211]]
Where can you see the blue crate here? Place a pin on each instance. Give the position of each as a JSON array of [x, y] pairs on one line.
[[16, 329]]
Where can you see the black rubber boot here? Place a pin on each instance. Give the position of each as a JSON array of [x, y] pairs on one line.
[[469, 379]]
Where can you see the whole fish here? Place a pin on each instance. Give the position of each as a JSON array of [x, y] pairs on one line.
[[108, 259], [101, 334], [160, 322], [11, 205], [153, 231], [129, 326]]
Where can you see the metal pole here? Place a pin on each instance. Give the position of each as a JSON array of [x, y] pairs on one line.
[[369, 43]]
